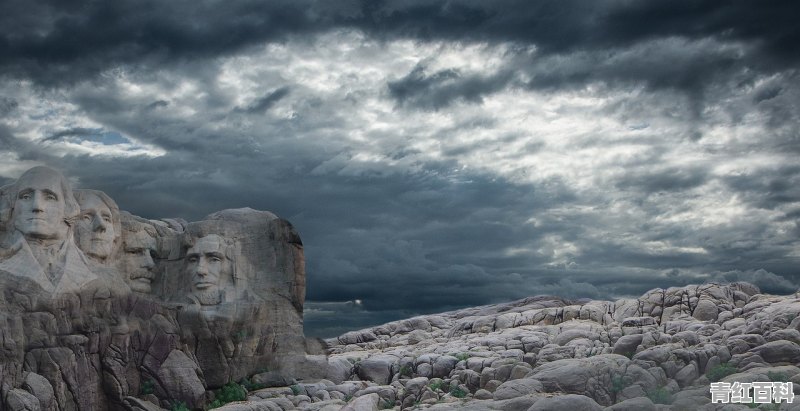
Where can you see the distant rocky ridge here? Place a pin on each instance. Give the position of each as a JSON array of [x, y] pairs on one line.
[[657, 352]]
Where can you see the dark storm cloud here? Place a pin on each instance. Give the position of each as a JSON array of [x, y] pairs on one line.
[[442, 88], [650, 180], [53, 42], [768, 188], [264, 103]]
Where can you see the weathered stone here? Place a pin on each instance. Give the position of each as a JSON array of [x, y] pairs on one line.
[[633, 404], [21, 400], [517, 388], [41, 389], [181, 379], [377, 369], [627, 344], [572, 402]]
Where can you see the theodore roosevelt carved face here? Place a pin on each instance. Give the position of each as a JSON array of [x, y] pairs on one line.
[[137, 259]]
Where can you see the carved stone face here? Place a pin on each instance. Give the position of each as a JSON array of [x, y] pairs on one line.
[[95, 230], [137, 260], [39, 208], [207, 264]]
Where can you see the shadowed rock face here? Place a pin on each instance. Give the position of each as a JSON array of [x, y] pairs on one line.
[[101, 309]]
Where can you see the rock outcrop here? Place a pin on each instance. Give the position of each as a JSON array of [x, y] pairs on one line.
[[657, 352], [101, 309]]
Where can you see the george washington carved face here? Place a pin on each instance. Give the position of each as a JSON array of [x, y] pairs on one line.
[[42, 204]]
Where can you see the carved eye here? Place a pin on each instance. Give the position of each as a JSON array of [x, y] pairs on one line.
[[87, 217], [25, 196], [107, 219], [51, 197], [192, 259], [215, 259]]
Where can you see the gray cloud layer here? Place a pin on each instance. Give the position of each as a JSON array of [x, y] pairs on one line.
[[432, 154]]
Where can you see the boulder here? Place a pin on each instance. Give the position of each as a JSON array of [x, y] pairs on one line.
[[572, 402]]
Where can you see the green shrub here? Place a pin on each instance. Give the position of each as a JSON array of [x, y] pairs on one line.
[[230, 392], [250, 386], [458, 392], [619, 383], [438, 386], [296, 389], [721, 371], [388, 405], [462, 356], [777, 376], [660, 395], [405, 370], [148, 387], [179, 406]]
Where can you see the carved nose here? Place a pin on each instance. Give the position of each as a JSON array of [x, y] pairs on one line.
[[37, 203], [100, 225], [148, 260]]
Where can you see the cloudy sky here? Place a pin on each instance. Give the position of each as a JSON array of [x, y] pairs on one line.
[[433, 154]]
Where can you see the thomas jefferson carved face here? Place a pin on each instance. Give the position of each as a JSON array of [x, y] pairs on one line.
[[40, 205], [95, 228], [207, 265]]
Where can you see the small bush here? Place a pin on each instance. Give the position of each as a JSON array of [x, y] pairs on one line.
[[619, 383], [660, 395], [230, 392], [462, 356], [148, 387], [296, 389], [250, 385], [438, 386], [458, 392], [388, 405], [405, 371], [721, 371], [777, 376], [179, 406]]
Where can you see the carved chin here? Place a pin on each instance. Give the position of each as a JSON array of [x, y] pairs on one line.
[[141, 285]]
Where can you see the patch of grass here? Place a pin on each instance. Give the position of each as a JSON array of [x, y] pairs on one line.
[[777, 376], [619, 383], [250, 386], [230, 392], [458, 392], [721, 371], [405, 371], [461, 356], [179, 406], [388, 405], [296, 389], [660, 395], [438, 386], [147, 387]]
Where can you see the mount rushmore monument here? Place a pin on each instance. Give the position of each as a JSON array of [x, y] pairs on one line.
[[98, 306]]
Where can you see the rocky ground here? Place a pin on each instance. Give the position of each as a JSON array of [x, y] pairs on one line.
[[657, 352]]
